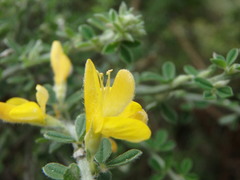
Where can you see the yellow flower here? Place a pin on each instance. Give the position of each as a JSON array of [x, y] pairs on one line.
[[110, 111], [19, 110], [62, 68], [60, 63]]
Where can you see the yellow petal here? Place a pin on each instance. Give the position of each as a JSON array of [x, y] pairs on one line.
[[92, 96], [5, 108], [28, 112], [16, 101], [134, 111], [60, 63], [42, 97], [126, 129], [120, 95]]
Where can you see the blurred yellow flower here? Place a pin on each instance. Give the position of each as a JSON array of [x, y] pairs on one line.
[[19, 110], [62, 68], [110, 111]]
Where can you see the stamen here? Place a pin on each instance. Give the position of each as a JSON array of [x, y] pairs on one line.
[[101, 78], [108, 73]]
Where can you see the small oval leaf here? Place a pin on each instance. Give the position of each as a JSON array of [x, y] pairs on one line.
[[125, 158], [54, 170], [104, 151], [58, 137]]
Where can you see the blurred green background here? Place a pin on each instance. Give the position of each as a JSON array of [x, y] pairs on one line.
[[184, 32]]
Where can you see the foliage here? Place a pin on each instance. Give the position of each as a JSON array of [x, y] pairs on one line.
[[191, 98]]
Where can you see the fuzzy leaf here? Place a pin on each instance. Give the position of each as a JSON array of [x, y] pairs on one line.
[[104, 151], [86, 31], [72, 173], [169, 70], [232, 56], [80, 126], [169, 114], [125, 158], [54, 170], [219, 62], [105, 176], [125, 54], [224, 92], [110, 48], [203, 83], [58, 137], [190, 70]]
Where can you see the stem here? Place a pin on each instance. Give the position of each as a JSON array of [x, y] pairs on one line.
[[85, 169], [83, 164]]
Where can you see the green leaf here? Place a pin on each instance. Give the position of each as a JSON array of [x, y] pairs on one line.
[[191, 177], [41, 140], [168, 146], [225, 92], [190, 70], [186, 166], [131, 44], [169, 70], [161, 137], [74, 98], [123, 8], [228, 119], [102, 17], [104, 151], [110, 48], [105, 176], [113, 14], [125, 158], [86, 31], [154, 164], [151, 76], [54, 170], [208, 95], [58, 137], [95, 22], [203, 83], [218, 56], [157, 176], [219, 62], [80, 126], [232, 56], [168, 114], [125, 54], [54, 146], [72, 173]]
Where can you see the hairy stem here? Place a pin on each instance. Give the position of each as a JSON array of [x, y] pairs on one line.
[[83, 164]]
